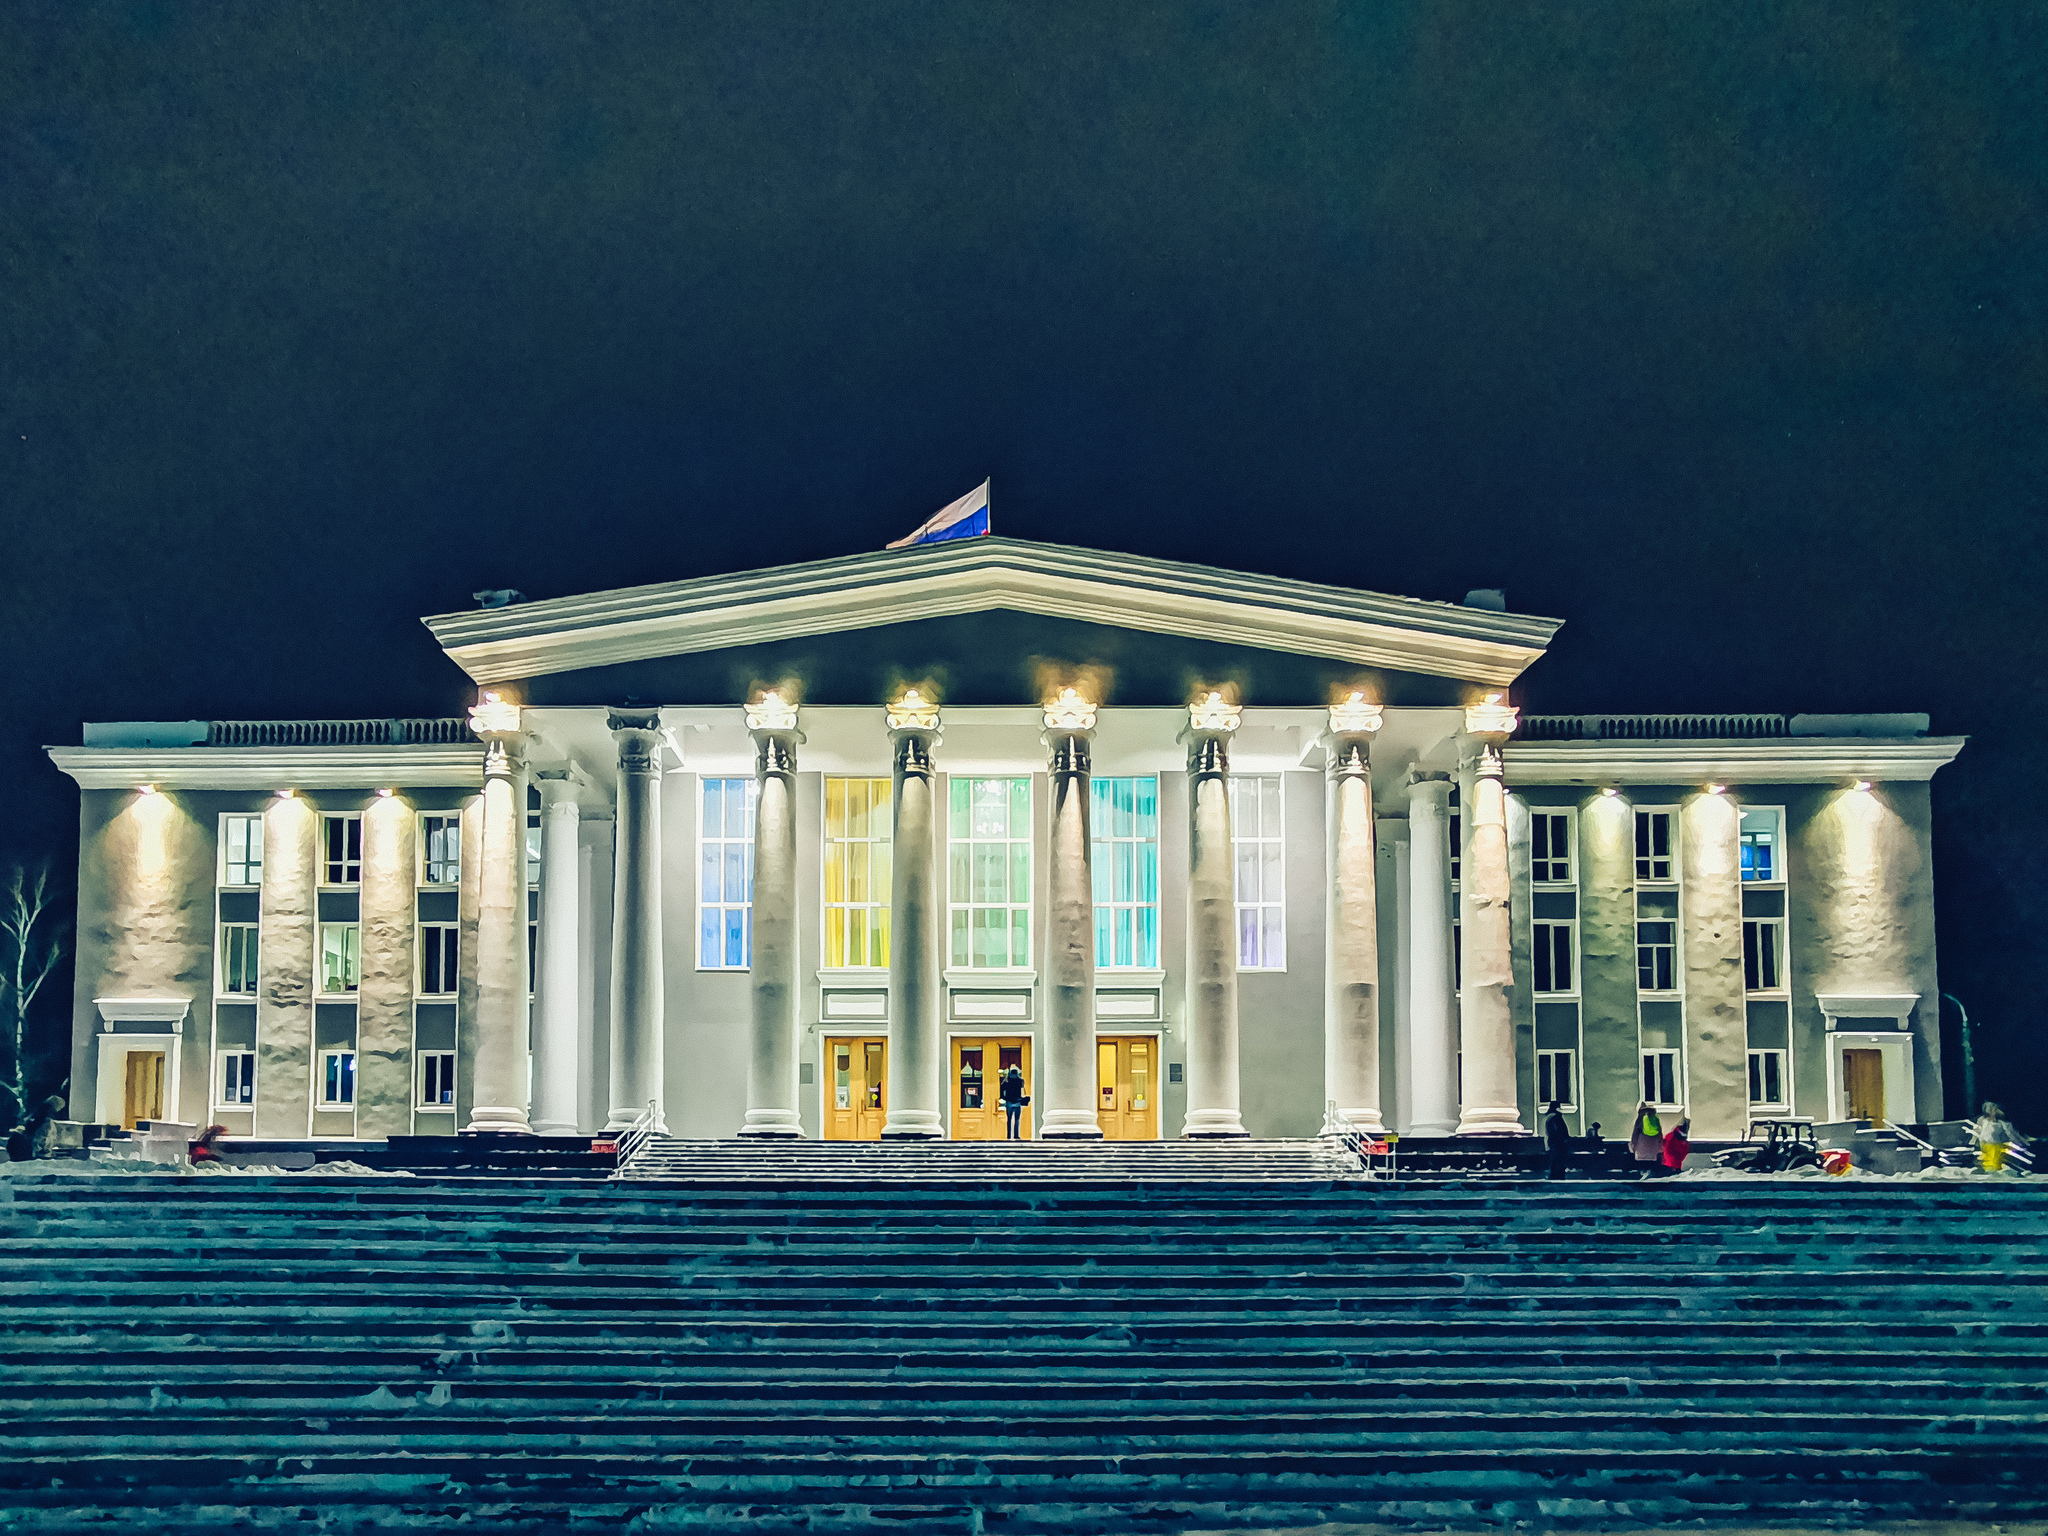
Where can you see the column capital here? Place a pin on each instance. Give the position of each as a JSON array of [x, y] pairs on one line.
[[638, 734], [771, 721], [1493, 722], [1212, 721], [497, 723], [1355, 717], [1069, 714], [1347, 743], [557, 788]]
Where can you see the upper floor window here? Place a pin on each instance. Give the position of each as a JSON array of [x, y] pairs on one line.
[[440, 850], [1556, 1080], [857, 846], [1763, 954], [988, 854], [341, 956], [342, 841], [1657, 957], [338, 1078], [237, 1079], [1654, 862], [533, 848], [1123, 822], [241, 850], [1256, 840], [437, 1079], [238, 958], [1767, 1079], [1555, 947], [725, 886], [1550, 848], [440, 955], [1660, 1078], [1761, 858]]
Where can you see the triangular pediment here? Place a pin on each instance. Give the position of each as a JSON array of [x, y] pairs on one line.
[[857, 592]]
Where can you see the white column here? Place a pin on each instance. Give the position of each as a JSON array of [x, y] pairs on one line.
[[1213, 1099], [1394, 836], [1351, 968], [1069, 1081], [772, 1057], [1432, 1037], [636, 1000], [917, 1068], [556, 1031], [499, 1069], [1486, 1011]]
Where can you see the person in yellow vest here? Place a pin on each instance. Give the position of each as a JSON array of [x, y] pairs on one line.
[[1995, 1138]]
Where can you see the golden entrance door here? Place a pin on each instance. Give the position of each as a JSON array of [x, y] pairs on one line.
[[1863, 1084], [979, 1067], [856, 1088], [142, 1095], [1127, 1087]]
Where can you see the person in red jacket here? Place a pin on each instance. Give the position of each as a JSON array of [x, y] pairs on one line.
[[1675, 1148]]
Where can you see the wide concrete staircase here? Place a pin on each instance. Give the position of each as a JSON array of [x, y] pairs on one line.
[[806, 1162], [233, 1353]]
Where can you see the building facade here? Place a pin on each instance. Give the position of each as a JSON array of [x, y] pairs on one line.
[[827, 849]]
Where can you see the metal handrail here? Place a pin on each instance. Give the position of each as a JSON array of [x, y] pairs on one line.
[[1339, 1127], [634, 1137]]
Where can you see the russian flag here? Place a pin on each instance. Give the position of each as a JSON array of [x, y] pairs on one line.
[[962, 519]]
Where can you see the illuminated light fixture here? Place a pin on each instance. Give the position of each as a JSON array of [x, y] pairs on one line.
[[770, 712], [1212, 713], [385, 794], [494, 717], [145, 789], [913, 712], [1717, 789], [1863, 783], [286, 794], [1070, 712], [1609, 791], [1354, 716]]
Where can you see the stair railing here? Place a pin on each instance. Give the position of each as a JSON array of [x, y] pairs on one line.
[[1374, 1154], [634, 1137]]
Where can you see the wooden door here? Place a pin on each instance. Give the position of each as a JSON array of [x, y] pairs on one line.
[[979, 1067], [856, 1087], [1863, 1084], [142, 1095], [1127, 1087]]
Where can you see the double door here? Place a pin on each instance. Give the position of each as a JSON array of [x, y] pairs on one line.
[[856, 1087], [979, 1067], [1127, 1087], [142, 1087]]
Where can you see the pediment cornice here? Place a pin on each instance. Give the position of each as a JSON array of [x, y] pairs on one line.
[[865, 591]]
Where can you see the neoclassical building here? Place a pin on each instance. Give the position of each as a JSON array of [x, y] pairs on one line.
[[827, 849]]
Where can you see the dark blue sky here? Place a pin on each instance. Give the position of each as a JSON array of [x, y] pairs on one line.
[[1716, 330]]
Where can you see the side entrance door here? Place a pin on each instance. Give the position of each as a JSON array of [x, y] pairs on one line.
[[1127, 1087], [142, 1095], [856, 1087], [1863, 1084], [979, 1067]]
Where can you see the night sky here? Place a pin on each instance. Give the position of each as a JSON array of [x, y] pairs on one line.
[[1716, 330]]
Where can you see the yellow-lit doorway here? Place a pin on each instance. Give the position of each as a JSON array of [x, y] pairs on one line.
[[979, 1067], [856, 1087], [1127, 1087]]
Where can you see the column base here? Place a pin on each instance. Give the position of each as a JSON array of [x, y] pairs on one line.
[[1214, 1125], [1426, 1130], [621, 1121], [1365, 1120], [772, 1125], [1484, 1120], [1070, 1125], [913, 1125], [555, 1128], [501, 1118]]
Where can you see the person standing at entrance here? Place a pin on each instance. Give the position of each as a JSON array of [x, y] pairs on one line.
[[1557, 1136], [1995, 1137], [1671, 1161], [1646, 1141], [1014, 1100]]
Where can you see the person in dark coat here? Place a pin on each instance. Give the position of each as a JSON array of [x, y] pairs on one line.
[[1557, 1136], [1014, 1100]]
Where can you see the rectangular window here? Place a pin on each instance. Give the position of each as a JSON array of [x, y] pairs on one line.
[[1457, 955], [1653, 846], [988, 852], [1763, 952], [1550, 848], [1123, 827], [532, 955], [1554, 949], [857, 863], [437, 1079], [1660, 1077], [337, 1077], [440, 850], [1656, 957], [341, 956], [1555, 1082], [1760, 829], [1256, 840], [533, 849], [1767, 1079], [241, 850], [237, 1079], [238, 958], [725, 885], [342, 837], [440, 957], [1457, 835]]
